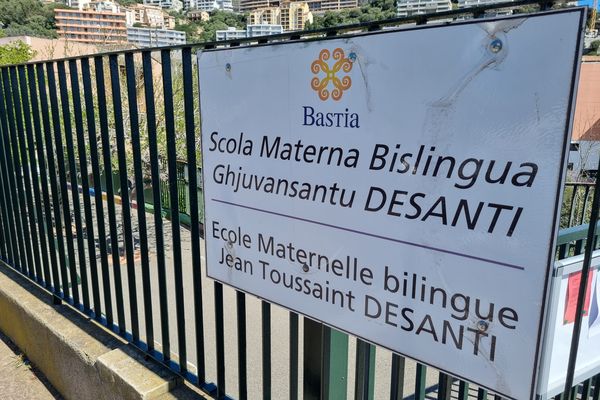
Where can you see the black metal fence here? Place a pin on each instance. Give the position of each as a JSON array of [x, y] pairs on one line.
[[73, 131]]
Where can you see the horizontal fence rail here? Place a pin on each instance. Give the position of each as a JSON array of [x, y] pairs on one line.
[[100, 204]]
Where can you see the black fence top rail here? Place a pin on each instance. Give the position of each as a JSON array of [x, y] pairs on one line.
[[420, 19]]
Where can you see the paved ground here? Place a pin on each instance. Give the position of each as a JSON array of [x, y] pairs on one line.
[[19, 380]]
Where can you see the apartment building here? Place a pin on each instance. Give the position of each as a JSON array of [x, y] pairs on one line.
[[251, 5], [475, 3], [149, 16], [211, 5], [108, 6], [407, 8], [231, 33], [153, 37], [176, 5], [253, 30], [267, 15], [295, 15], [313, 5], [331, 5], [76, 3], [87, 26], [94, 5], [263, 30], [292, 16]]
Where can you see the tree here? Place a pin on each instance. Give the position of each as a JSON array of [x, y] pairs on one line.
[[205, 31], [377, 10], [15, 53], [594, 47], [28, 17], [126, 3]]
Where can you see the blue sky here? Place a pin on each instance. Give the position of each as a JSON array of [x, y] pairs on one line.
[[586, 3]]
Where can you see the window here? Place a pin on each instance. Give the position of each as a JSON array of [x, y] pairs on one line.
[[574, 147]]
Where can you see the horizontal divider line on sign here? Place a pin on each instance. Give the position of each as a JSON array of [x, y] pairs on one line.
[[423, 246]]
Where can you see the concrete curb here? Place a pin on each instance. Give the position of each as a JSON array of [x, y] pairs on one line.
[[80, 359]]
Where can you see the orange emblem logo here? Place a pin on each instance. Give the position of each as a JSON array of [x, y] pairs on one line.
[[332, 74]]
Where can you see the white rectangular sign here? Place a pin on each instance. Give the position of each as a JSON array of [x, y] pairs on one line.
[[401, 186], [560, 326]]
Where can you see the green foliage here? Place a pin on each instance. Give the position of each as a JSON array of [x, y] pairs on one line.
[[595, 45], [15, 53], [206, 31], [376, 10], [126, 3], [28, 17]]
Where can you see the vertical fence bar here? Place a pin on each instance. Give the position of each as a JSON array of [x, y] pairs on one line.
[[397, 381], [31, 230], [587, 261], [110, 195], [481, 394], [586, 389], [8, 200], [314, 356], [242, 357], [94, 159], [5, 236], [141, 201], [572, 205], [174, 205], [13, 172], [125, 203], [365, 354], [42, 274], [70, 148], [190, 140], [584, 205], [420, 380], [337, 373], [463, 390], [85, 189], [596, 393], [266, 349], [44, 148], [444, 387], [62, 196], [220, 339], [293, 374], [3, 241], [158, 227]]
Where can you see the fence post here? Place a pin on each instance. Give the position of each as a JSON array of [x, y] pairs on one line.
[[325, 362]]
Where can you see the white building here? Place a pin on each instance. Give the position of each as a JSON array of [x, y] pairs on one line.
[[211, 5], [407, 8], [176, 5], [231, 33], [190, 4], [95, 5], [255, 30], [263, 30], [153, 37], [77, 3], [478, 3]]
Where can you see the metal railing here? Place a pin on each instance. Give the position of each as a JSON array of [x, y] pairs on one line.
[[74, 130], [577, 203]]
